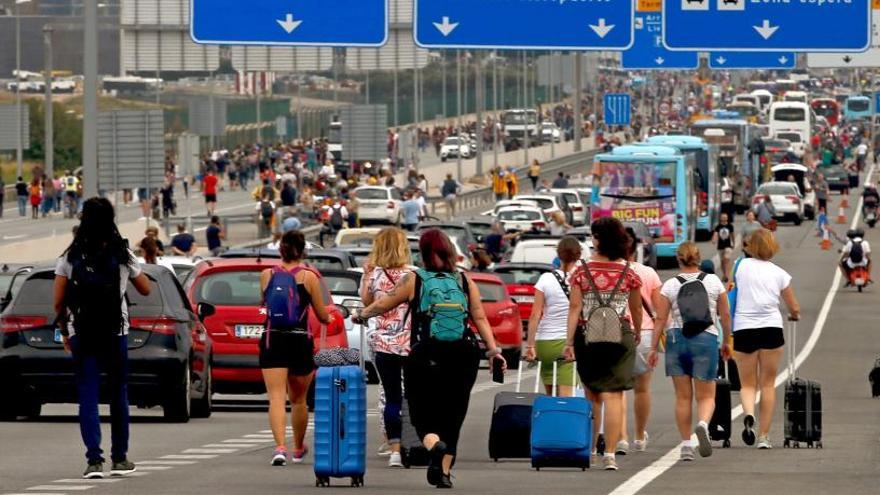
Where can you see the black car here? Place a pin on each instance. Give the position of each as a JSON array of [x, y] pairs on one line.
[[320, 259], [480, 226], [168, 350], [12, 275], [459, 230]]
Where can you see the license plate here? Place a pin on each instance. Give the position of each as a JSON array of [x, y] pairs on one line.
[[524, 299], [249, 331], [57, 337]]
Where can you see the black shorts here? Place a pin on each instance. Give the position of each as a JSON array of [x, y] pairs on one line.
[[210, 198], [291, 350], [750, 340]]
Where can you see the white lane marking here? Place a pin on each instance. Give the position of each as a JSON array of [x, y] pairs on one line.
[[209, 451], [166, 463], [253, 441], [141, 467], [189, 456], [81, 481], [14, 237], [42, 488], [228, 446], [136, 474], [37, 493], [641, 479], [266, 436]]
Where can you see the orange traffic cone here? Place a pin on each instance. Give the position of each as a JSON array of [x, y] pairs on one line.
[[826, 240], [841, 215], [845, 202]]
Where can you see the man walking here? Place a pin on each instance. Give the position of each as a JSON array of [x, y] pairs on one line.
[[449, 191], [210, 190], [724, 239], [21, 194]]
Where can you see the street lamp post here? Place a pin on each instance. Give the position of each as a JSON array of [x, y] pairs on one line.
[[48, 117], [19, 145]]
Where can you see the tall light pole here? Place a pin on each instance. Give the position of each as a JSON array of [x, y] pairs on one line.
[[19, 145], [48, 116], [90, 99]]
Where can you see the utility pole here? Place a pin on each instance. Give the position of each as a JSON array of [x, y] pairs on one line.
[[458, 113], [19, 145], [578, 96], [90, 99], [48, 117], [480, 103], [497, 117], [443, 76], [527, 108]]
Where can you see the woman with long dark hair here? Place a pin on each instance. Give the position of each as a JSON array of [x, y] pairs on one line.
[[91, 277]]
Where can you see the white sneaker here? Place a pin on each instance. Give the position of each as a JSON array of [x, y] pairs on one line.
[[394, 460], [764, 443], [687, 453], [384, 450], [641, 445], [705, 446], [622, 447]]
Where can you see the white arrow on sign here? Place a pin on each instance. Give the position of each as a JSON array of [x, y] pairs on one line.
[[765, 29], [445, 27], [659, 60], [783, 60], [721, 60], [288, 24], [601, 28]]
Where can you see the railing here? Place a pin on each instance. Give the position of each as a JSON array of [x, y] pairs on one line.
[[198, 221]]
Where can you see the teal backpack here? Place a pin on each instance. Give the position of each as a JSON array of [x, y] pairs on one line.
[[442, 306]]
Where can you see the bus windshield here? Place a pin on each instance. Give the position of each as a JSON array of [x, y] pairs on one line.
[[519, 118], [788, 114], [858, 104], [637, 191]]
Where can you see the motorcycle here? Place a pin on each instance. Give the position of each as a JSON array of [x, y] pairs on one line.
[[858, 277], [870, 212]]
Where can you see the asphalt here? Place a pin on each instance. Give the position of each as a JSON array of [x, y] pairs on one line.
[[35, 455]]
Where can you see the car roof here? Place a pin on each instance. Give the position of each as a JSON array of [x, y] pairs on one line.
[[485, 276], [522, 266], [341, 273], [482, 219], [328, 253], [440, 223], [778, 183], [523, 207]]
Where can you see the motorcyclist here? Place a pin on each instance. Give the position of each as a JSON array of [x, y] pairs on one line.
[[870, 197], [856, 252]]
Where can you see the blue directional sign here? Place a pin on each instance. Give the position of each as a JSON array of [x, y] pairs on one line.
[[752, 60], [618, 107], [277, 22], [648, 52], [877, 102], [564, 24], [767, 25]]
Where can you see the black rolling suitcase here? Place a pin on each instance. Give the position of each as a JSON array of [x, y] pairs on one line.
[[803, 404], [511, 428], [720, 425], [874, 379]]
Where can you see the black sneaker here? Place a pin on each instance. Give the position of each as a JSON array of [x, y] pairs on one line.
[[748, 434], [435, 464], [94, 471], [445, 481], [121, 468]]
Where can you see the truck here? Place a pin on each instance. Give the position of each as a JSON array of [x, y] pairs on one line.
[[517, 123]]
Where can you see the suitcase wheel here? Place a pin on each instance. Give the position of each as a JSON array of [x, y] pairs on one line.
[[726, 444], [786, 444], [321, 481], [357, 481], [818, 445], [495, 459]]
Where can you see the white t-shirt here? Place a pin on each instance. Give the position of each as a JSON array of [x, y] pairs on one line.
[[714, 288], [127, 272], [759, 287], [554, 323], [866, 250], [862, 149]]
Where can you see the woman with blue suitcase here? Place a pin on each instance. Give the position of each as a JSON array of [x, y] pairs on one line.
[[443, 362]]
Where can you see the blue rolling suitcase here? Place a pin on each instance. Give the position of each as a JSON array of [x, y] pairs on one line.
[[562, 432], [341, 424]]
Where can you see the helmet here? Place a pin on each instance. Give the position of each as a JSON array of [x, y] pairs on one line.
[[853, 233]]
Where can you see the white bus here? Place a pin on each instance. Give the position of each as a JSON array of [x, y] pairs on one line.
[[790, 118]]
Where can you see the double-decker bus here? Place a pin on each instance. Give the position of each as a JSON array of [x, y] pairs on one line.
[[648, 184], [828, 108]]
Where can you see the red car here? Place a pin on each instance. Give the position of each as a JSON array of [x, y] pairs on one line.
[[230, 288], [503, 316], [520, 279]]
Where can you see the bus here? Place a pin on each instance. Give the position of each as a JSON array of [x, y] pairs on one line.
[[828, 108], [702, 158], [648, 184], [791, 117], [746, 110], [857, 107], [732, 137], [782, 86]]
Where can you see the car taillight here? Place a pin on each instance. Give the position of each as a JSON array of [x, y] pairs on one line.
[[162, 325], [336, 325], [390, 205], [758, 198], [539, 225], [13, 324], [794, 199]]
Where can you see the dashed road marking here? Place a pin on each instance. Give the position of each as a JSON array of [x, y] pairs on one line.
[[81, 481], [189, 456], [209, 451], [228, 445], [42, 488], [165, 463], [253, 441], [141, 467]]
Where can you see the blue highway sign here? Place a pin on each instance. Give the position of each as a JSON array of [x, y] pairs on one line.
[[752, 60], [564, 24], [303, 22], [618, 107], [767, 25], [648, 51], [877, 102]]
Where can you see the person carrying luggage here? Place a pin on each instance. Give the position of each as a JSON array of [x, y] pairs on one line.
[[546, 332], [692, 298], [286, 347], [389, 341], [757, 330], [599, 330], [92, 312], [444, 356]]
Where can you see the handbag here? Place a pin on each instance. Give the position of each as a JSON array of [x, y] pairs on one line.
[[603, 323]]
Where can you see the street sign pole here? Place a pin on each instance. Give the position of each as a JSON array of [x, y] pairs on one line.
[[478, 68], [496, 116], [48, 116], [90, 99], [525, 87], [578, 100]]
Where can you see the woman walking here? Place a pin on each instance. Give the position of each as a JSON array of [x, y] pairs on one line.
[[534, 173], [757, 331], [606, 369], [691, 353], [547, 331], [36, 197], [444, 357], [388, 263], [286, 350]]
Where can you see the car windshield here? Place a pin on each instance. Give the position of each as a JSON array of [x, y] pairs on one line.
[[322, 263], [480, 229], [341, 285], [491, 292], [452, 141], [518, 215], [372, 194], [543, 203], [778, 189], [355, 237], [791, 137], [360, 258], [35, 296], [519, 276], [776, 143], [234, 288]]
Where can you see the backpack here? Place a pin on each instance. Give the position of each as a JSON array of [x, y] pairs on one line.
[[283, 305], [857, 253], [603, 324], [442, 306], [693, 306], [336, 220], [95, 301], [267, 209]]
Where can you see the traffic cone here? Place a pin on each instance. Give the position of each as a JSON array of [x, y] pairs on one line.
[[845, 202], [826, 240], [841, 215]]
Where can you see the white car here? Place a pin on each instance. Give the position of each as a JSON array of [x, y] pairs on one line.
[[541, 251], [786, 198], [378, 204], [352, 237], [579, 203], [549, 202], [508, 202], [344, 287], [798, 142], [453, 147], [179, 265], [550, 131], [522, 218]]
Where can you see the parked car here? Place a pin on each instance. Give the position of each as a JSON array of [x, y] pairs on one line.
[[801, 175], [580, 209], [503, 315], [12, 275], [344, 287], [777, 149], [331, 259], [169, 352], [378, 204], [550, 202], [786, 198], [504, 203], [363, 235], [179, 265], [520, 279], [541, 250], [460, 230], [480, 226], [836, 176], [453, 147], [522, 218], [227, 293]]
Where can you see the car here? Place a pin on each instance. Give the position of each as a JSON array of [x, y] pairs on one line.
[[777, 149], [801, 176], [520, 279], [579, 204], [786, 198], [378, 204], [550, 202], [454, 147], [522, 218], [648, 255], [179, 265], [462, 252], [480, 226], [360, 252], [503, 315], [227, 293], [344, 287], [359, 236], [540, 249], [331, 259], [453, 229], [508, 202], [550, 132], [798, 142], [169, 351], [836, 176], [12, 275]]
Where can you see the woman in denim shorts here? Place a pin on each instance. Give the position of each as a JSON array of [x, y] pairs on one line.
[[692, 362]]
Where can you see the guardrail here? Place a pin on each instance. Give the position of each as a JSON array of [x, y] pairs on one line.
[[198, 221]]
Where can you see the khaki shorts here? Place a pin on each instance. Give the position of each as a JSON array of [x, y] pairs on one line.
[[726, 253]]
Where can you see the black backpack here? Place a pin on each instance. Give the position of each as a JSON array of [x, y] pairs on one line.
[[857, 253], [693, 306], [94, 301], [267, 209], [336, 220]]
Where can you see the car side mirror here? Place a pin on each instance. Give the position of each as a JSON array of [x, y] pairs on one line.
[[205, 310]]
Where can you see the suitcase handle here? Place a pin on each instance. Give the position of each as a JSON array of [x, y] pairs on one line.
[[792, 348]]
